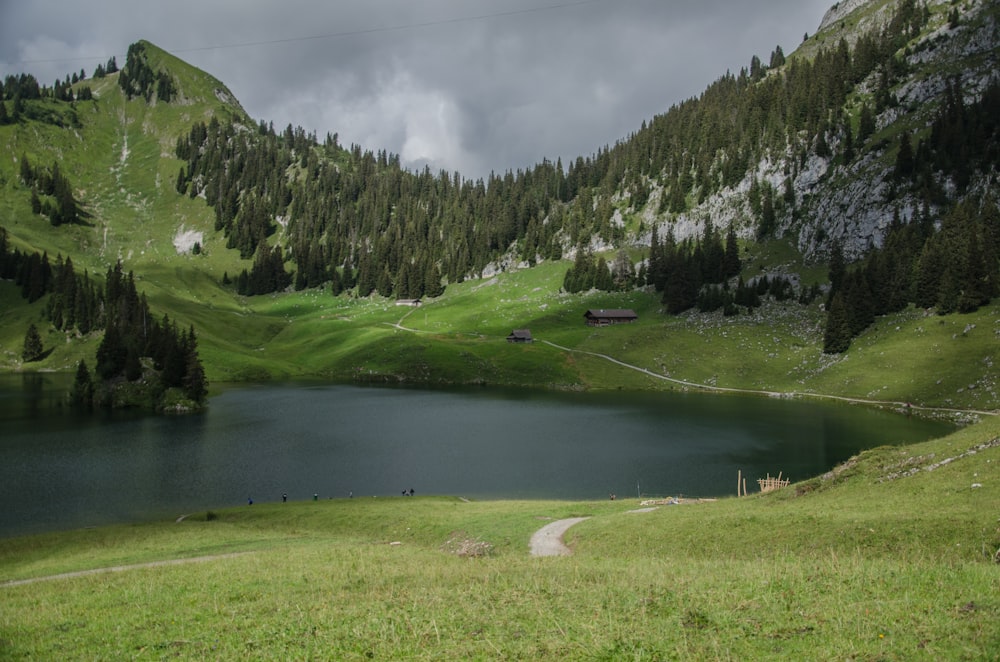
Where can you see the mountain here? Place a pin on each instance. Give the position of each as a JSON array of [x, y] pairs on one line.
[[878, 129], [895, 59]]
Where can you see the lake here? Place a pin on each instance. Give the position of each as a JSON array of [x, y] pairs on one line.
[[60, 469]]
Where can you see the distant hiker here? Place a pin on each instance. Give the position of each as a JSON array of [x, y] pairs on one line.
[[249, 501], [284, 497], [411, 491], [315, 496], [350, 495], [612, 495]]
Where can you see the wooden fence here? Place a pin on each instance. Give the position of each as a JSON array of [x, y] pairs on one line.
[[768, 484]]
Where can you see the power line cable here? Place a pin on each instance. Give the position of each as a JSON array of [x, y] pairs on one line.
[[336, 35]]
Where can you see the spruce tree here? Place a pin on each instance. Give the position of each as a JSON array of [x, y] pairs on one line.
[[848, 144], [195, 382], [731, 265], [602, 276], [111, 353], [83, 386], [866, 124], [33, 349], [837, 270], [904, 157], [837, 336]]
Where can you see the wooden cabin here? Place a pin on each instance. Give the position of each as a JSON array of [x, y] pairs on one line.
[[520, 336], [611, 316]]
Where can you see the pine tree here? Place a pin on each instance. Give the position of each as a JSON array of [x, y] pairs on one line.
[[82, 393], [866, 124], [928, 275], [837, 336], [182, 182], [624, 273], [111, 353], [837, 270], [195, 382], [602, 276], [33, 348], [133, 366], [777, 58], [731, 265], [904, 157], [848, 144], [655, 265], [432, 281], [384, 284]]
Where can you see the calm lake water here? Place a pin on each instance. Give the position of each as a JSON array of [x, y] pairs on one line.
[[60, 469]]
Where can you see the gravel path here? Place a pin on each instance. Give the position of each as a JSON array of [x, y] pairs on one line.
[[120, 568], [777, 394], [547, 541]]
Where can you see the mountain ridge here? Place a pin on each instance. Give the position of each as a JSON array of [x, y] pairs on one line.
[[858, 216]]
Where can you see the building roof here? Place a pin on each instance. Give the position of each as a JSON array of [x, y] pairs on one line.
[[611, 313], [520, 333]]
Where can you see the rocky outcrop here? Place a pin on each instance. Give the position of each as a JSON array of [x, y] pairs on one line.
[[855, 204], [840, 11]]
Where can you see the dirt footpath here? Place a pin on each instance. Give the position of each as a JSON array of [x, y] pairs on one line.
[[547, 541]]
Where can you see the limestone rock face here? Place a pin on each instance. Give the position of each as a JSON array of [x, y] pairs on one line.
[[840, 11], [856, 203]]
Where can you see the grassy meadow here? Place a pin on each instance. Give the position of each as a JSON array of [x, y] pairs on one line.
[[891, 556]]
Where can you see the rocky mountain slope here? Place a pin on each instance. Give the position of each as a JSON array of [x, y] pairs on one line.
[[855, 203]]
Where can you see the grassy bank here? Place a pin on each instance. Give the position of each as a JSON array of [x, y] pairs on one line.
[[892, 556]]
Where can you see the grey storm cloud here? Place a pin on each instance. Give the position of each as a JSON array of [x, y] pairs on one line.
[[472, 86]]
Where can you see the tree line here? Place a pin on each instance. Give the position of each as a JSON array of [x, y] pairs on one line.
[[51, 192], [952, 269], [963, 139], [21, 89], [356, 217], [132, 335], [138, 79]]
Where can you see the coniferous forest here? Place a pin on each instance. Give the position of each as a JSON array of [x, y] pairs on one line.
[[136, 348]]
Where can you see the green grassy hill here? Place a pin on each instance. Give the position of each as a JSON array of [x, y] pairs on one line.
[[891, 556]]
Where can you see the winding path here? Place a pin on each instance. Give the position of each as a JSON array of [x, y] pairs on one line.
[[547, 541], [771, 394], [745, 391], [120, 568]]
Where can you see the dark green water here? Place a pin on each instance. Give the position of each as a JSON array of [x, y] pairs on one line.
[[60, 469]]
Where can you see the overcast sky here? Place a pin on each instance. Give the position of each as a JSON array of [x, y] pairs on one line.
[[468, 85]]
